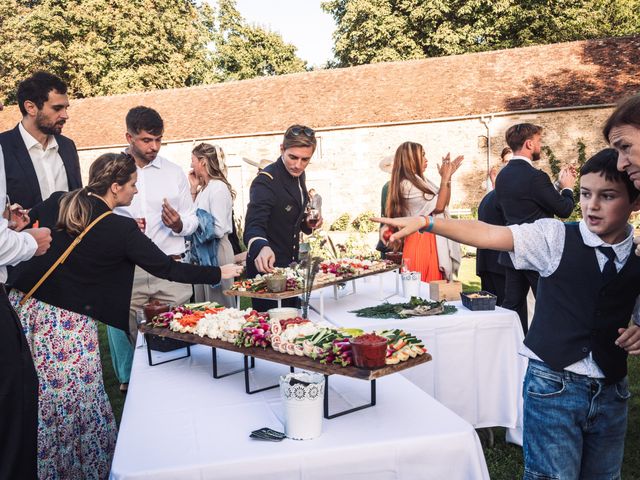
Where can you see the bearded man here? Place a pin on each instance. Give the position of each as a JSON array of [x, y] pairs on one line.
[[38, 159], [524, 194]]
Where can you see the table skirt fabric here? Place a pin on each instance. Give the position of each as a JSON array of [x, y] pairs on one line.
[[476, 370], [180, 423]]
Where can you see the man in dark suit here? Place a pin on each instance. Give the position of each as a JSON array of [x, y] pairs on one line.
[[276, 211], [38, 159], [526, 194], [490, 271]]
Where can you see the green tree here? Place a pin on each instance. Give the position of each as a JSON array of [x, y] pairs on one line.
[[102, 47], [245, 51], [386, 30], [107, 46]]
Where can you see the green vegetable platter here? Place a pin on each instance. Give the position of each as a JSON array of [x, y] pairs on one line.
[[416, 307]]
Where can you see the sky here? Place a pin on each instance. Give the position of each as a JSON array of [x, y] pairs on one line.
[[301, 23]]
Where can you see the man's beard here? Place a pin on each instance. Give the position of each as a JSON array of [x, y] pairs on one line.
[[136, 153], [54, 129], [535, 156]]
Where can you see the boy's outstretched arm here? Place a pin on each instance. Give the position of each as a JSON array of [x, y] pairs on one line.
[[469, 232], [629, 339]]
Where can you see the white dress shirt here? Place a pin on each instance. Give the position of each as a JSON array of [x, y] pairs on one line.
[[535, 247], [158, 180], [15, 247], [47, 162], [216, 199]]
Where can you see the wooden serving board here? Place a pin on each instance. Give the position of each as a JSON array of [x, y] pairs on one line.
[[295, 293], [296, 361]]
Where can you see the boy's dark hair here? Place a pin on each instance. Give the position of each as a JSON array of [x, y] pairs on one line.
[[604, 163], [144, 118], [36, 89], [626, 113], [516, 135]]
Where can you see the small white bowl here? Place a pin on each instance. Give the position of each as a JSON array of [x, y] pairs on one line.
[[283, 313]]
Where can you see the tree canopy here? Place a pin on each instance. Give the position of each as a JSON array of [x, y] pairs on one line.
[[388, 30], [102, 47], [245, 51]]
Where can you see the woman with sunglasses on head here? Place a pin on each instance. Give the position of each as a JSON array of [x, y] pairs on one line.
[[213, 197], [77, 430], [410, 194], [276, 212]]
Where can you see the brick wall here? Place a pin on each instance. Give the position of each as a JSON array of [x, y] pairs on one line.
[[345, 171]]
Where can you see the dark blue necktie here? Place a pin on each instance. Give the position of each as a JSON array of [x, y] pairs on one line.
[[609, 271]]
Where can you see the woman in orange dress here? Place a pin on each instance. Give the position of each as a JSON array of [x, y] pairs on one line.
[[411, 194]]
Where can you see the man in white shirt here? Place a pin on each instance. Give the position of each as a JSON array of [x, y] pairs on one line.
[[163, 209], [38, 159], [18, 380]]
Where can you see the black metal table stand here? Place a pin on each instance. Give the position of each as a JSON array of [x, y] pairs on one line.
[[351, 410], [247, 386], [214, 357], [151, 364]]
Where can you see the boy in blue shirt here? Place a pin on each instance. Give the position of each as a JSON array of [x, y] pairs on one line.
[[575, 389]]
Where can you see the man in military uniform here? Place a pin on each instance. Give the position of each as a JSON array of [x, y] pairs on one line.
[[276, 213]]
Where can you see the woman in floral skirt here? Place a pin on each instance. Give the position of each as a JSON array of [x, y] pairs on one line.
[[76, 428]]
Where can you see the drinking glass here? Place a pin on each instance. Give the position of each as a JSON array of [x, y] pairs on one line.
[[313, 217], [406, 265], [141, 319]]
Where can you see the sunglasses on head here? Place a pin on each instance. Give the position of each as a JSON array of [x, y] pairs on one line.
[[295, 131]]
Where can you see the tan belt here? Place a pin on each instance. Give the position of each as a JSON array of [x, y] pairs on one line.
[[177, 258]]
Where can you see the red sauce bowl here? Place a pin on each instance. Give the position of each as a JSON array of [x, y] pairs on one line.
[[395, 257], [153, 308], [368, 350]]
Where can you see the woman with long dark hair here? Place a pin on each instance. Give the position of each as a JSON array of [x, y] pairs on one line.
[[76, 429], [411, 194]]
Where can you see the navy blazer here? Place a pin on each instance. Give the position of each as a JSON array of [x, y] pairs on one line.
[[22, 181], [276, 215], [488, 212], [526, 194]]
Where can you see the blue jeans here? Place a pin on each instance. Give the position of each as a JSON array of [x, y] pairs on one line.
[[574, 426]]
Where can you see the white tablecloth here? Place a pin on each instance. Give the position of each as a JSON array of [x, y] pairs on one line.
[[180, 423], [476, 370]]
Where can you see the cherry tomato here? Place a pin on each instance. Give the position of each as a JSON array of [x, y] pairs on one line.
[[387, 233]]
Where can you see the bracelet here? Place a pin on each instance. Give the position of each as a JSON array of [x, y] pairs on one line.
[[428, 224]]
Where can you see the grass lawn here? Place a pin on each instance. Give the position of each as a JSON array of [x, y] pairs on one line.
[[504, 460]]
